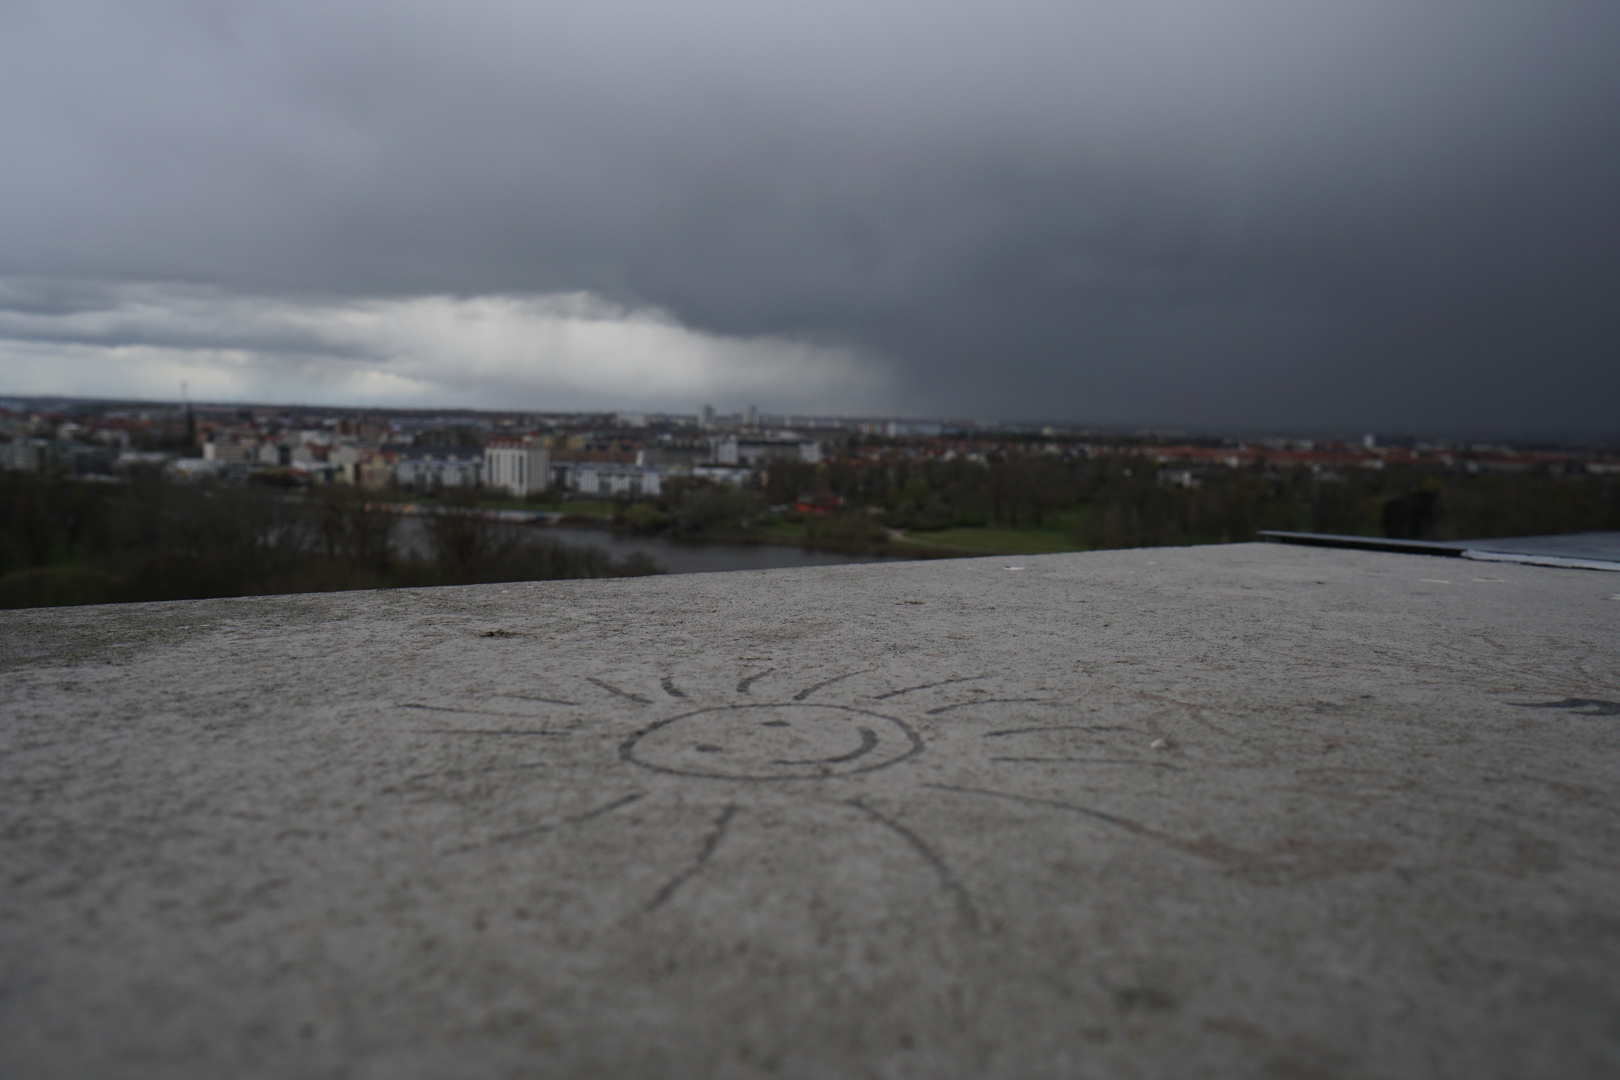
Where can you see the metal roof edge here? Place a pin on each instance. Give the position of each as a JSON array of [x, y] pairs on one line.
[[1364, 543], [1541, 560]]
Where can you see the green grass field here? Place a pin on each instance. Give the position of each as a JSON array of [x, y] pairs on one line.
[[999, 541], [1053, 535]]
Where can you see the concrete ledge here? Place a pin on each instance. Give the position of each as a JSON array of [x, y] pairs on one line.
[[1241, 811]]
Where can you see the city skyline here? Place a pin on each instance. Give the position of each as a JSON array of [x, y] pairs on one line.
[[707, 416], [1243, 214], [30, 416]]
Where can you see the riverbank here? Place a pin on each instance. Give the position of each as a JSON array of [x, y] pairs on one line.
[[1054, 536], [718, 554]]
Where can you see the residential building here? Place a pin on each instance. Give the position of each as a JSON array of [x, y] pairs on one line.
[[896, 429], [433, 468], [197, 468], [231, 449], [736, 475], [607, 480], [345, 458], [25, 455], [682, 456], [732, 450], [519, 466], [375, 470]]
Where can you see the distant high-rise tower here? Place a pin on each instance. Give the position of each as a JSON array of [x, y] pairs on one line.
[[753, 416], [708, 416]]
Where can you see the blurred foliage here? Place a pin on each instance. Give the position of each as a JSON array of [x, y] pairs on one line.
[[710, 508], [1121, 501], [65, 541], [647, 519]]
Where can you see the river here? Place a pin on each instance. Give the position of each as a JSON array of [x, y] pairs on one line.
[[699, 557], [676, 556]]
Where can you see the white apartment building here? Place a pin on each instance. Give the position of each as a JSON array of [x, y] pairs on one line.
[[518, 466], [25, 455], [345, 459], [634, 481], [753, 452], [425, 470], [736, 475]]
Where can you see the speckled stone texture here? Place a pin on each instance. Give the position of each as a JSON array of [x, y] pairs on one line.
[[1234, 811]]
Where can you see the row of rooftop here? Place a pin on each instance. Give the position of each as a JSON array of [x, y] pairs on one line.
[[635, 454]]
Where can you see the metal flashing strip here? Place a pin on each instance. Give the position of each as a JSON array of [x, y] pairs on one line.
[[1498, 550], [1542, 560], [1364, 543]]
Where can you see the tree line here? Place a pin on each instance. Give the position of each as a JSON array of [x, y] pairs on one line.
[[66, 541], [1120, 501]]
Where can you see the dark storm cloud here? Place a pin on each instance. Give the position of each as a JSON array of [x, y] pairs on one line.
[[1230, 212]]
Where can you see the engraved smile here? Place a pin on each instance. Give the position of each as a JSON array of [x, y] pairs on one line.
[[869, 741]]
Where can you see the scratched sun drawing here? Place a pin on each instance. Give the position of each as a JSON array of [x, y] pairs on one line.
[[687, 762], [657, 744]]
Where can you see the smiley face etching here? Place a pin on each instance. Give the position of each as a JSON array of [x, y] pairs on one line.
[[772, 742], [777, 742]]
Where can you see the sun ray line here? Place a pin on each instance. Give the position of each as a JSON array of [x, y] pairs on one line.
[[1204, 849], [710, 843], [489, 731], [533, 697], [1091, 761], [928, 686], [418, 777], [958, 892], [1057, 727], [616, 692], [747, 684], [992, 701], [1034, 800], [807, 691], [1598, 707], [574, 820], [469, 712]]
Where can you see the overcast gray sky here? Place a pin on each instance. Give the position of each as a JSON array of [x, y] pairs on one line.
[[1208, 213]]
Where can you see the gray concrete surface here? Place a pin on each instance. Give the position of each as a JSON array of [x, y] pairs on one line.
[[1242, 811]]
